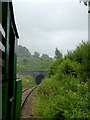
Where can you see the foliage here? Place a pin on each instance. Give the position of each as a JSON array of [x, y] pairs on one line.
[[85, 2], [23, 51], [64, 93], [32, 62], [36, 54], [80, 55], [58, 54], [44, 56], [27, 81], [54, 66]]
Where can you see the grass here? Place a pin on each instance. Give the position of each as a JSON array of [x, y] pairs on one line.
[[27, 81]]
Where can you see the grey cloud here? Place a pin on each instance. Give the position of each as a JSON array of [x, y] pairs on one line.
[[45, 26]]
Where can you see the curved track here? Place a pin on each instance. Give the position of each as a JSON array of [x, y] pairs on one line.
[[25, 93]]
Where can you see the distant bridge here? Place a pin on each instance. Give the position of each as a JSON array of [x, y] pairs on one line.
[[37, 75]]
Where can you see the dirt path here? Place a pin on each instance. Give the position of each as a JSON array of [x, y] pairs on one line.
[[28, 110]]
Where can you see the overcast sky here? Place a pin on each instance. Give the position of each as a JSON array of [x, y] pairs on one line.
[[43, 26]]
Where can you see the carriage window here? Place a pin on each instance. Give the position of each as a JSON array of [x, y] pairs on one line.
[[2, 53], [11, 60]]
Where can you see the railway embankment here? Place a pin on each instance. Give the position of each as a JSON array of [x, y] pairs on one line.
[[28, 103]]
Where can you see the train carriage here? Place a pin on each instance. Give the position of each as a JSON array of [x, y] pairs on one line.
[[11, 87]]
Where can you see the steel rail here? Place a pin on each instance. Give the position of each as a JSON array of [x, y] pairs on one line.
[[25, 89], [27, 95]]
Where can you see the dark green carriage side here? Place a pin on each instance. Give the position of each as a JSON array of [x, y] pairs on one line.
[[4, 82], [11, 100]]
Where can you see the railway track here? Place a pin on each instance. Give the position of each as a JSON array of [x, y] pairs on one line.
[[25, 89], [25, 93]]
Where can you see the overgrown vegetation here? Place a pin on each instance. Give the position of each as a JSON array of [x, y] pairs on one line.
[[27, 81], [64, 93], [28, 62]]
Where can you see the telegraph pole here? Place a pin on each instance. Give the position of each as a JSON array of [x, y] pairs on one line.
[[89, 50], [89, 35], [87, 3], [89, 6]]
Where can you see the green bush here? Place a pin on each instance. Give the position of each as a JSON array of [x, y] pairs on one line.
[[32, 63], [53, 68], [80, 55], [27, 81], [65, 98], [64, 93]]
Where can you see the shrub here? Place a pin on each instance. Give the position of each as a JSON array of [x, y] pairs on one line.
[[64, 93], [62, 99], [27, 81]]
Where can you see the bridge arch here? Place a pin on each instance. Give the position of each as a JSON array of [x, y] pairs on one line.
[[39, 78], [37, 75]]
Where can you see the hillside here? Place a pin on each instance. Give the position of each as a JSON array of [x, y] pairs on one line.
[[28, 62]]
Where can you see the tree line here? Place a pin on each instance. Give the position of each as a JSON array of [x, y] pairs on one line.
[[23, 51]]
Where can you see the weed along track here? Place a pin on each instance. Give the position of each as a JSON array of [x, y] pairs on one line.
[[27, 102]]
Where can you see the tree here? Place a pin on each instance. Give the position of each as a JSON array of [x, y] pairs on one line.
[[87, 3], [25, 60], [23, 51], [36, 54], [58, 54], [44, 56]]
